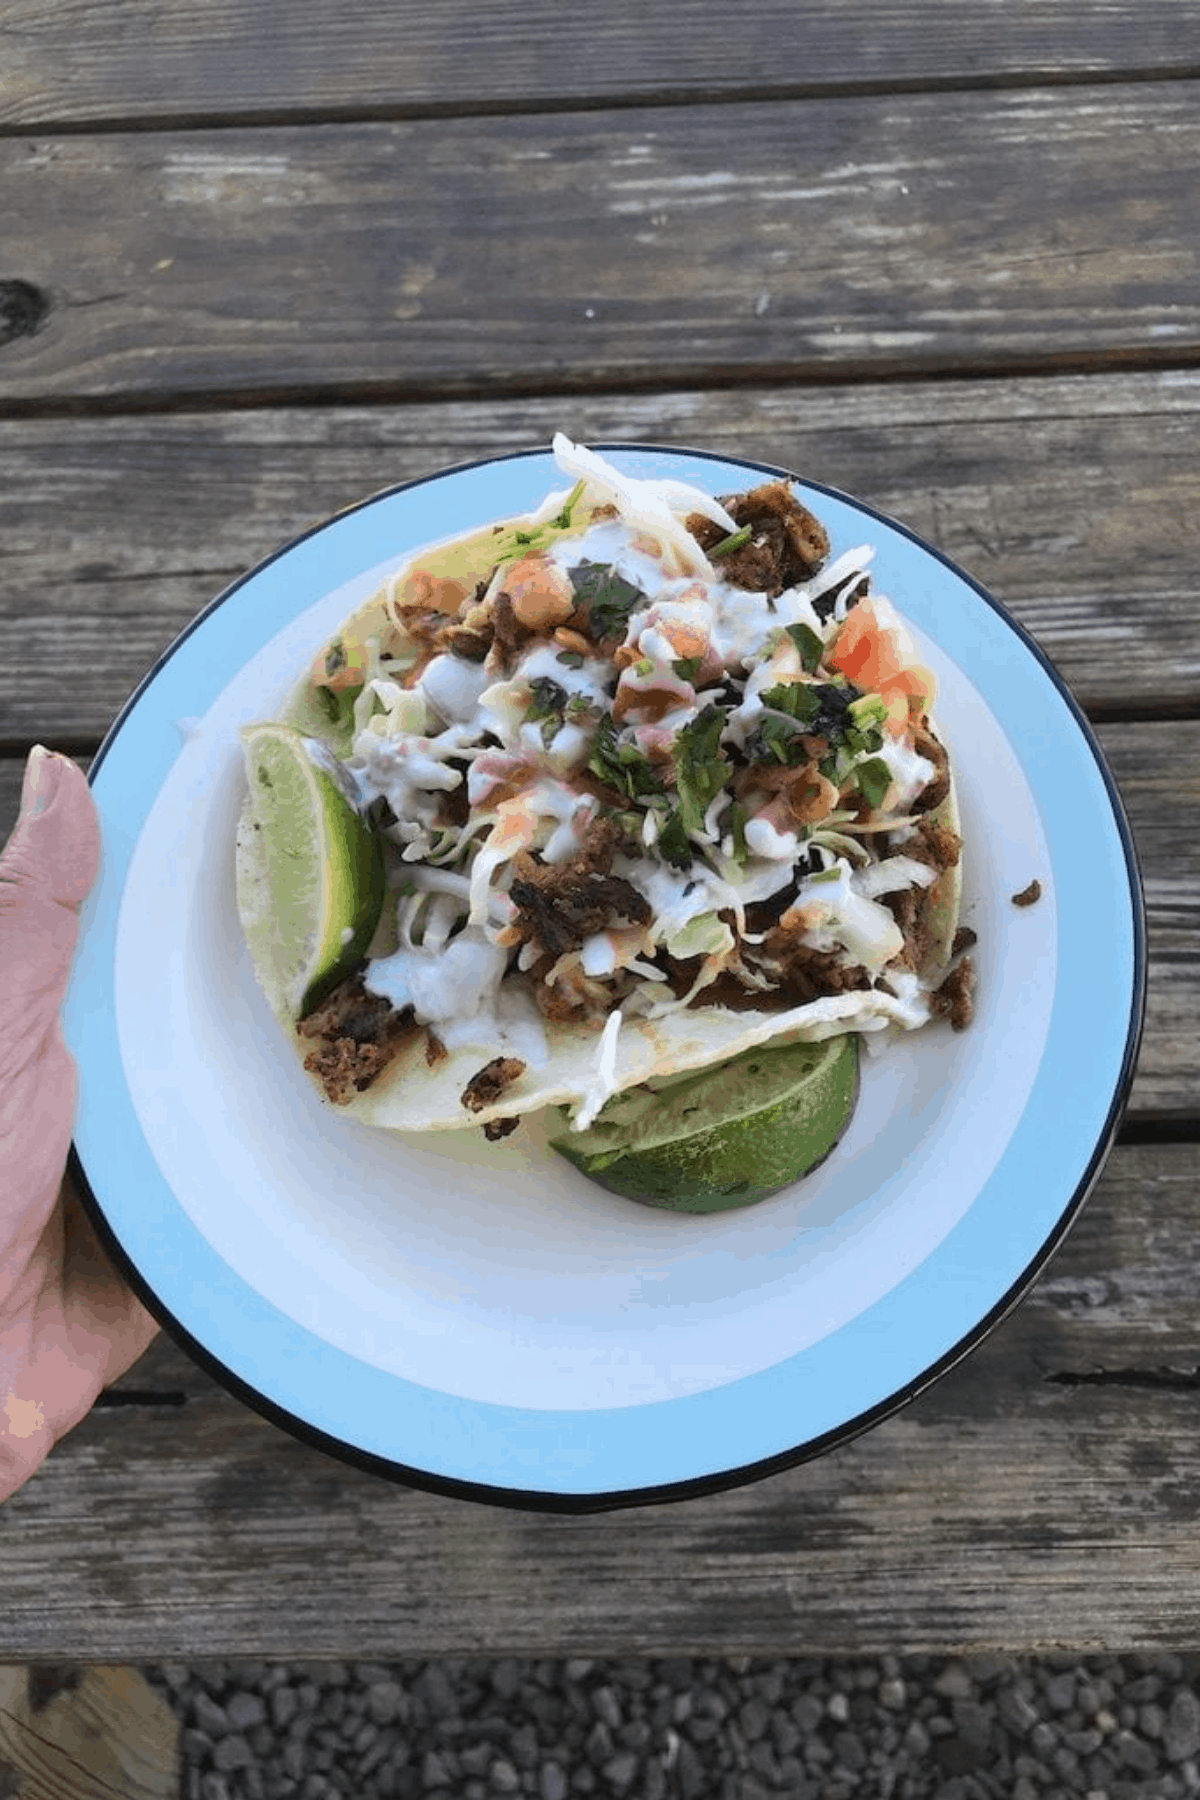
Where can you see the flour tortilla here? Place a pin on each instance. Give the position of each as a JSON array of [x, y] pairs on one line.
[[409, 1095]]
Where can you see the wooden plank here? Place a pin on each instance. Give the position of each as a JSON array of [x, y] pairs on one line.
[[975, 1518], [1075, 500], [104, 1735], [135, 60], [646, 247]]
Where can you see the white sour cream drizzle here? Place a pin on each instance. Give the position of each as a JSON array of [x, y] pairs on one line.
[[412, 746]]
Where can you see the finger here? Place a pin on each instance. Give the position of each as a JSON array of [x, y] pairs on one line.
[[46, 869]]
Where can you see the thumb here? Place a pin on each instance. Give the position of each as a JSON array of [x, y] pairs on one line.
[[55, 844], [46, 869]]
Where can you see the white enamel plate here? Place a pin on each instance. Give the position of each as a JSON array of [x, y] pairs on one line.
[[478, 1318]]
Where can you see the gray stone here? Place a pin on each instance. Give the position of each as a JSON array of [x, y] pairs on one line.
[[1135, 1753], [808, 1713], [607, 1707], [196, 1745], [954, 1682], [434, 1772], [214, 1787], [285, 1703], [504, 1777], [232, 1752], [384, 1701], [689, 1772], [245, 1710], [523, 1747], [620, 1770], [209, 1716], [552, 1783], [893, 1693], [1017, 1710], [1181, 1738], [1060, 1691], [753, 1720], [294, 1759], [434, 1687]]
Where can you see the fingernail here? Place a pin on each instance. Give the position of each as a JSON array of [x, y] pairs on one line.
[[42, 773]]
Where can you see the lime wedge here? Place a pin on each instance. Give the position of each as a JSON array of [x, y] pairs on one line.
[[310, 881], [725, 1136]]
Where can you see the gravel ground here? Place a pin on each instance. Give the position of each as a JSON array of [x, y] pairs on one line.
[[680, 1728]]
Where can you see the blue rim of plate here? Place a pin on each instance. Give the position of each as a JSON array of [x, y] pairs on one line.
[[514, 1440]]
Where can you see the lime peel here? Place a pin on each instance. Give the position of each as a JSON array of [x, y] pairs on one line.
[[310, 876], [769, 1117]]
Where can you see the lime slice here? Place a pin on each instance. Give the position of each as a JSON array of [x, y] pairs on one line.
[[725, 1136], [310, 881]]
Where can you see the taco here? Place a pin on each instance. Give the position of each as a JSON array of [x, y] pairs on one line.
[[655, 781]]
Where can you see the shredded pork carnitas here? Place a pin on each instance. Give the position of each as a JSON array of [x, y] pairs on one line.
[[657, 751]]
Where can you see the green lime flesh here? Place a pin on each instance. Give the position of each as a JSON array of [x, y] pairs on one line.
[[311, 884], [727, 1136]]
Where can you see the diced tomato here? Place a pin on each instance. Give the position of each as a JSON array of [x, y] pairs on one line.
[[865, 653]]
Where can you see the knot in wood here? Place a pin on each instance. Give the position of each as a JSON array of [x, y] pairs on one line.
[[24, 310]]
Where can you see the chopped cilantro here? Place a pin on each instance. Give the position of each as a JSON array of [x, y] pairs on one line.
[[687, 667], [808, 644], [563, 519], [858, 741], [777, 738], [623, 766], [339, 706], [608, 597], [701, 770], [546, 697], [728, 545], [874, 778], [737, 826], [570, 659], [673, 841]]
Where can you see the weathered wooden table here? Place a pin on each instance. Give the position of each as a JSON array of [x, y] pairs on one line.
[[258, 260]]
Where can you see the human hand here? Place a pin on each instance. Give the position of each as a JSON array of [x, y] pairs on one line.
[[68, 1323]]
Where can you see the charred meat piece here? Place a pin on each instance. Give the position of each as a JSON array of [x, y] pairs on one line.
[[787, 544], [560, 904], [926, 745], [1028, 895], [806, 974], [486, 1086], [358, 1035], [499, 1128], [955, 999], [935, 844]]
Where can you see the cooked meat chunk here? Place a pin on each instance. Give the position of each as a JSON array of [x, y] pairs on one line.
[[955, 998], [499, 1128], [561, 904], [511, 636], [934, 844], [1028, 895], [486, 1086], [964, 938], [787, 544], [926, 745], [358, 1035], [806, 974], [905, 906]]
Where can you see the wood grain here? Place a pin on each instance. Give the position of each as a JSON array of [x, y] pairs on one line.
[[971, 1519], [1074, 500], [106, 1735], [131, 59], [649, 246]]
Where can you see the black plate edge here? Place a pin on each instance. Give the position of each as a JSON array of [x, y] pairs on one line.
[[535, 1500]]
